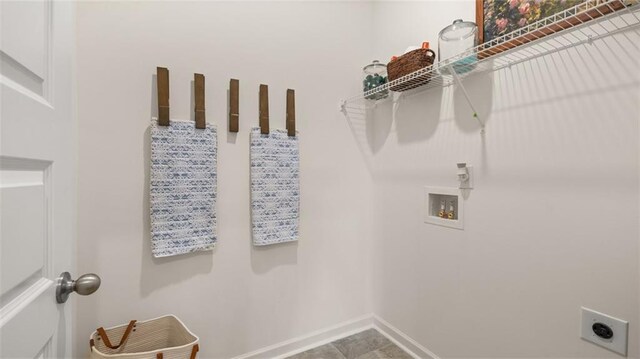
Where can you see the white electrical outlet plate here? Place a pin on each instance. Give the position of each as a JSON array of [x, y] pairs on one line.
[[620, 328], [468, 184]]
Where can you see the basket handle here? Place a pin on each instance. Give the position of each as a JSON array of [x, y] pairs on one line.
[[106, 340], [194, 351]]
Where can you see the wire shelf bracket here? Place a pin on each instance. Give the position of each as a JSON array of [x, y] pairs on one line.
[[466, 96]]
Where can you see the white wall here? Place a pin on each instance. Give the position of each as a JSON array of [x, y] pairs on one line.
[[552, 223], [238, 298]]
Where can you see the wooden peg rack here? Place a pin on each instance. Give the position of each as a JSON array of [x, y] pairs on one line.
[[234, 105], [198, 87], [162, 82], [264, 109], [291, 112]]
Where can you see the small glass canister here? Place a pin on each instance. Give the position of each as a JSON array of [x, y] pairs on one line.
[[375, 75], [454, 40]]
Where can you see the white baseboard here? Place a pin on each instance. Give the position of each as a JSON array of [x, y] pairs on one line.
[[402, 340], [312, 340], [328, 335]]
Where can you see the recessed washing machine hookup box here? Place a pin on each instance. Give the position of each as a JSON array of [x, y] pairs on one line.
[[444, 207]]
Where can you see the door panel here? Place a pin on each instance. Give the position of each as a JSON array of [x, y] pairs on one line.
[[24, 230], [35, 306], [25, 51]]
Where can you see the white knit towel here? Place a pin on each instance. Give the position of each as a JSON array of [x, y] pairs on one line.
[[183, 188], [275, 187]]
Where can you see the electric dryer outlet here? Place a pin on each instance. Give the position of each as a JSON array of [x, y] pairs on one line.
[[604, 330]]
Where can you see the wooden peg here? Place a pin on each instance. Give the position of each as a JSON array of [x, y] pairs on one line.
[[234, 105], [198, 86], [162, 80], [291, 112], [264, 109]]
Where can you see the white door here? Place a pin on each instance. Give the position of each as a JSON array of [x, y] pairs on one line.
[[37, 176]]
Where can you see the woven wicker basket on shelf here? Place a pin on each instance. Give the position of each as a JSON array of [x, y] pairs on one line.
[[410, 62], [160, 338]]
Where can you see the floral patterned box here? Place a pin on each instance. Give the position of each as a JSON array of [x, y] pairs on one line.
[[499, 17]]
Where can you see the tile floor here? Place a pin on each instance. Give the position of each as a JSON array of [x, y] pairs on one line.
[[369, 344]]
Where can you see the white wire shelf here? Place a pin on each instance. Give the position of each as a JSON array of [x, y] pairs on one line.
[[605, 17]]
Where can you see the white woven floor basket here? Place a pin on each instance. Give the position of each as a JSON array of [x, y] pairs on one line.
[[160, 338]]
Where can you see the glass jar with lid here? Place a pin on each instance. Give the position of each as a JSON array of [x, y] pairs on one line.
[[458, 41], [375, 75]]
